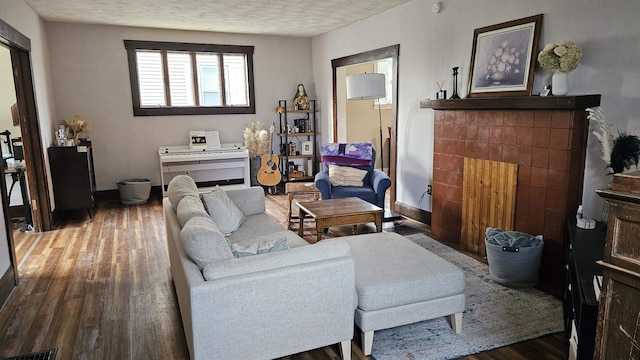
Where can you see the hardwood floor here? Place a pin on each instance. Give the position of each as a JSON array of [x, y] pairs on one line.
[[101, 289]]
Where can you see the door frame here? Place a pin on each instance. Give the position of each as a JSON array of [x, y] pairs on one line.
[[393, 52], [20, 47]]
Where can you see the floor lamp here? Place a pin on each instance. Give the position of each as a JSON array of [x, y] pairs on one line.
[[368, 86]]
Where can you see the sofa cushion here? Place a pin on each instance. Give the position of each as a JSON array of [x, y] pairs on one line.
[[295, 256], [393, 271], [346, 175], [223, 211], [255, 225], [260, 247], [188, 207], [203, 242], [179, 187]]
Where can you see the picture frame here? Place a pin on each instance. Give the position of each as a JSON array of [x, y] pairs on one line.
[[15, 115], [306, 148], [503, 58]]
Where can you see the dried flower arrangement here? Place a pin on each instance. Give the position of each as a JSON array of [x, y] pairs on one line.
[[75, 125], [619, 153], [256, 139], [563, 55]]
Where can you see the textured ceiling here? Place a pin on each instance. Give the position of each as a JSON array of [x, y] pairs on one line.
[[292, 17]]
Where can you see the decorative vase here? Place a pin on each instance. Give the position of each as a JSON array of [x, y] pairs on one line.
[[254, 167], [560, 83]]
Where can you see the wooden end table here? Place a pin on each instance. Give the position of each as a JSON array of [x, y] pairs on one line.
[[347, 211], [293, 189]]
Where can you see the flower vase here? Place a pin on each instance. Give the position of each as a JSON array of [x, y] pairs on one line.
[[560, 83]]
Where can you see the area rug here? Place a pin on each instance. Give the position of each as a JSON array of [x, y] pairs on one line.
[[495, 316]]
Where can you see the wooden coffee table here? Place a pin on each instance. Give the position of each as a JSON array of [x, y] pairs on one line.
[[347, 211]]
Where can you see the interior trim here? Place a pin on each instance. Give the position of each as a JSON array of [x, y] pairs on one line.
[[393, 52]]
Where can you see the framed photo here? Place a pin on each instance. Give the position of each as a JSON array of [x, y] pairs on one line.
[[307, 148], [503, 58], [15, 115]]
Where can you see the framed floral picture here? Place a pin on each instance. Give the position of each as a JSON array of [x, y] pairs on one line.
[[503, 58]]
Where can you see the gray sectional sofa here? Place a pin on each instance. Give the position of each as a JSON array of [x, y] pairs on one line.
[[259, 307], [301, 297]]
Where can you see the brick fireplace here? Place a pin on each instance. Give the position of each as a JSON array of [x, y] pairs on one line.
[[545, 136]]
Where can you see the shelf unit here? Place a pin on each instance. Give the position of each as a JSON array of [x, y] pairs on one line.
[[286, 137]]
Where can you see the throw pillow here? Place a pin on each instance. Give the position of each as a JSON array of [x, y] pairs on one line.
[[188, 207], [223, 211], [179, 187], [203, 242], [260, 247], [346, 175]]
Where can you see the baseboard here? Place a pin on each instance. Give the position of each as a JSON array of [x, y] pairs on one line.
[[413, 213], [7, 283]]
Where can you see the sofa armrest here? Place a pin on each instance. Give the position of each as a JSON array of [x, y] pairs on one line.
[[323, 184], [380, 182], [250, 200], [259, 312]]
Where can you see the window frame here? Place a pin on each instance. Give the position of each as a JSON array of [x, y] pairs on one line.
[[132, 46]]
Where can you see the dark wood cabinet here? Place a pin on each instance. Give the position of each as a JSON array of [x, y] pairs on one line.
[[580, 304], [72, 174], [618, 333]]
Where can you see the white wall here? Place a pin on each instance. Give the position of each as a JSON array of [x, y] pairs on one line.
[[91, 79], [430, 45]]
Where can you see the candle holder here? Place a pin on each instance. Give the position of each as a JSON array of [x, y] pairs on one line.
[[455, 84]]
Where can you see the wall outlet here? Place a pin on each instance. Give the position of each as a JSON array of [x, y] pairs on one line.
[[429, 189]]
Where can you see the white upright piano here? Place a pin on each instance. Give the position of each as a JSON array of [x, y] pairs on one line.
[[227, 166]]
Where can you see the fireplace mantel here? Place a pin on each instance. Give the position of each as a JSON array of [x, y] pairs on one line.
[[515, 103], [545, 136]]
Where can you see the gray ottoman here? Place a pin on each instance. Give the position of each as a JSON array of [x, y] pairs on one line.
[[399, 282]]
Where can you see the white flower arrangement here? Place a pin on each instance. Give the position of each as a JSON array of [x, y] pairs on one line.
[[256, 139], [619, 153], [562, 55], [75, 125]]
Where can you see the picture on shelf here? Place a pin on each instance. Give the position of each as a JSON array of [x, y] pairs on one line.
[[307, 148]]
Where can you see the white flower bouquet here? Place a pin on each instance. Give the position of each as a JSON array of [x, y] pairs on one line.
[[562, 55], [619, 153], [256, 139]]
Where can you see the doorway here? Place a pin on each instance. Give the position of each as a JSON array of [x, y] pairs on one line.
[[11, 148], [369, 62], [33, 182]]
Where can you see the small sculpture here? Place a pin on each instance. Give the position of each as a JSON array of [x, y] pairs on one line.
[[301, 100]]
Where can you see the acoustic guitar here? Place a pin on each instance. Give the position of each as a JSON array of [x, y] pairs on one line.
[[269, 173]]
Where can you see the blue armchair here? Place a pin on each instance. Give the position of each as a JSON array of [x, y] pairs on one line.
[[375, 185]]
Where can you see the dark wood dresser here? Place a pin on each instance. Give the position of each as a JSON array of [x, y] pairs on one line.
[[618, 332], [73, 178]]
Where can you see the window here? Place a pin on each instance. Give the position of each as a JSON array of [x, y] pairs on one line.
[[190, 79], [385, 67]]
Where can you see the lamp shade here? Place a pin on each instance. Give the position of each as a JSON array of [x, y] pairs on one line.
[[366, 86]]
